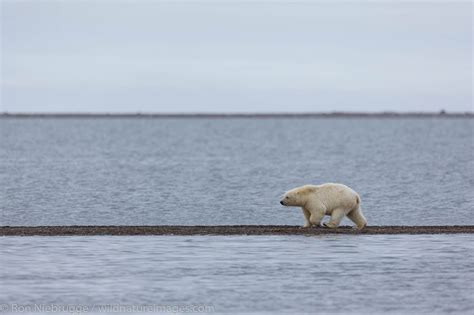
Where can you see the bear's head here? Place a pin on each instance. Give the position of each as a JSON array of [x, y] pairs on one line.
[[294, 197]]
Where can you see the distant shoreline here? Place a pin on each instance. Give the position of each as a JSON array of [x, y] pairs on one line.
[[243, 115], [225, 230]]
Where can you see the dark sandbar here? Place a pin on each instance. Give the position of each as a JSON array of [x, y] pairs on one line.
[[226, 230]]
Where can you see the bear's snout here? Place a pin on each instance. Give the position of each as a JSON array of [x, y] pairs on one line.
[[282, 203]]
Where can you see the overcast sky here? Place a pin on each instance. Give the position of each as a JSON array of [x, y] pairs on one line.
[[235, 56]]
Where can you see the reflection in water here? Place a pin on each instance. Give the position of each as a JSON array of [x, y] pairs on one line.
[[409, 274]]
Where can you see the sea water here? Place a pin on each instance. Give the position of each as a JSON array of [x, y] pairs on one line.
[[361, 274], [233, 171]]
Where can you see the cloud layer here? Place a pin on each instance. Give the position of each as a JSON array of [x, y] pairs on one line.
[[152, 56]]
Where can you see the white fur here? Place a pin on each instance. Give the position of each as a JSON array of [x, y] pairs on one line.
[[336, 200]]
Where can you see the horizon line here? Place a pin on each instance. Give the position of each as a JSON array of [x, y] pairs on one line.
[[441, 113]]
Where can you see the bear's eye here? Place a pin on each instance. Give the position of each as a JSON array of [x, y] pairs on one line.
[[286, 197]]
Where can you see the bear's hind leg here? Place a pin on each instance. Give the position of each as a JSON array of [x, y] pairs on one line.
[[336, 217], [358, 218]]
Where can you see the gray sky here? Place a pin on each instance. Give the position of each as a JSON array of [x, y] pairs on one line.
[[235, 56]]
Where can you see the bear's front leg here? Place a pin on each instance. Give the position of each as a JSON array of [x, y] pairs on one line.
[[316, 217], [306, 214]]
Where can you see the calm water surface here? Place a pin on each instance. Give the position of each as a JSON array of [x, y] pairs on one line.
[[231, 171], [403, 274]]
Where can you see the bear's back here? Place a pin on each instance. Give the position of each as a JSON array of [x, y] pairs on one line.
[[335, 195]]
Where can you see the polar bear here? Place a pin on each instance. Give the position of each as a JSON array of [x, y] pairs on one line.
[[336, 200]]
